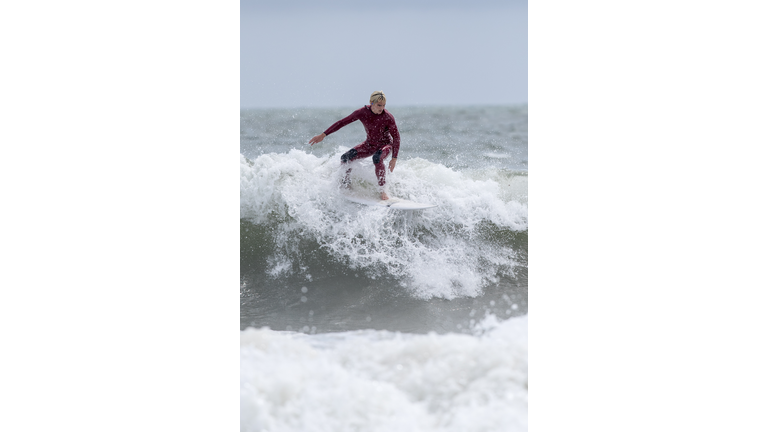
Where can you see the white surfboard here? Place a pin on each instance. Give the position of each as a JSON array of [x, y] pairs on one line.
[[392, 202]]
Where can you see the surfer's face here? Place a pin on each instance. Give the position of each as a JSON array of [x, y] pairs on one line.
[[378, 107]]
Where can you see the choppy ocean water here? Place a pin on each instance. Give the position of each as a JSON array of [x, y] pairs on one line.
[[414, 304]]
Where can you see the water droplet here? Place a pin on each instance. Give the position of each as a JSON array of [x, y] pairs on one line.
[[304, 290]]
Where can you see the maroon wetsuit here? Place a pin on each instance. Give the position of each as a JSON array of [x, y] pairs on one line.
[[382, 138]]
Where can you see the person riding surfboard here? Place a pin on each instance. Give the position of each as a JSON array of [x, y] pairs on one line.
[[382, 138]]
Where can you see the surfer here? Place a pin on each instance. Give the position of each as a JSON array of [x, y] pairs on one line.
[[382, 138]]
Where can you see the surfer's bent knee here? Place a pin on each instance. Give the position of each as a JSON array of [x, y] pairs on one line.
[[349, 156], [377, 157]]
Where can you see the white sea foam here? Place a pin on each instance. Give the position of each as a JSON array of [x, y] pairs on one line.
[[435, 253], [384, 381]]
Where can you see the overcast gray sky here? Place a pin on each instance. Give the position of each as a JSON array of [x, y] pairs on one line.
[[336, 52]]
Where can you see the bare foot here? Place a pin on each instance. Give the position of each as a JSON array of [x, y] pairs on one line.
[[384, 196]]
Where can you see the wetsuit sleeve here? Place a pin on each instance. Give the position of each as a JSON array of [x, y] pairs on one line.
[[395, 138], [343, 122]]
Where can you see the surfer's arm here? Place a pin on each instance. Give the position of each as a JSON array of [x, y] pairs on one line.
[[343, 122], [395, 138]]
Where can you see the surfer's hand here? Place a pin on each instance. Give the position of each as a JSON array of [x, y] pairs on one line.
[[316, 139], [392, 163]]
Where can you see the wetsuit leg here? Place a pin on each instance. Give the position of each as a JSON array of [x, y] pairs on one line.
[[357, 152], [378, 161], [349, 156]]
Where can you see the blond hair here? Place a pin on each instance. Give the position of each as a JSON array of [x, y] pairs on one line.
[[378, 96]]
